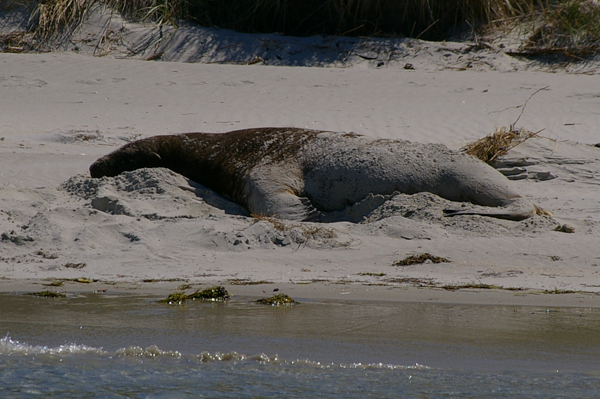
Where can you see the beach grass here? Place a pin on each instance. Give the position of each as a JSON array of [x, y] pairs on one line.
[[569, 27], [427, 19]]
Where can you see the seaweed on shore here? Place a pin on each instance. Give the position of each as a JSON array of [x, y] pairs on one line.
[[47, 294], [418, 259], [478, 286], [277, 300], [240, 281], [175, 298], [217, 293], [55, 283]]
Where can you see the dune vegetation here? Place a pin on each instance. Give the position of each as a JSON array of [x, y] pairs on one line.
[[566, 26]]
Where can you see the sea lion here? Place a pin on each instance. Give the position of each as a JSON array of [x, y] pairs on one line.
[[299, 174]]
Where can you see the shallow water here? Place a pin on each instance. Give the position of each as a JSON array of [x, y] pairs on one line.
[[132, 346]]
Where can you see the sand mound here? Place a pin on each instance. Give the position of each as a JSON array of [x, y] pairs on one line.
[[159, 193], [142, 212], [151, 193]]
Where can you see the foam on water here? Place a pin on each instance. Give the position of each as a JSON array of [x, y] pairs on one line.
[[10, 347], [80, 371]]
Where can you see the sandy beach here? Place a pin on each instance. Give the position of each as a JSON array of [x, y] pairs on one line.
[[153, 231]]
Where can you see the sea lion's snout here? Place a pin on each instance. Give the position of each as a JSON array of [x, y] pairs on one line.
[[100, 169], [126, 159]]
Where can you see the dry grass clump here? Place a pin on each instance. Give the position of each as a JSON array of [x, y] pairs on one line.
[[497, 144]]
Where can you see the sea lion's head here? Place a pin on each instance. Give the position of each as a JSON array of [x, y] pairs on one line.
[[127, 158]]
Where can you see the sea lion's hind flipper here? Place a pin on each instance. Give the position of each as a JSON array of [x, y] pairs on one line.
[[517, 210], [490, 213]]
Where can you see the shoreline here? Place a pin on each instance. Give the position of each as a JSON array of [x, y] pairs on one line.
[[323, 292]]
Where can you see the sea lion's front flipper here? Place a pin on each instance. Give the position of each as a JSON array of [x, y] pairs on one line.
[[274, 192]]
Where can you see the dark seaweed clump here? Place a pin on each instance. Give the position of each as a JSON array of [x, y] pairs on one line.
[[48, 294], [418, 259], [277, 300], [217, 293]]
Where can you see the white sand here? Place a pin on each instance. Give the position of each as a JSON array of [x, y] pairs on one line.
[[60, 111]]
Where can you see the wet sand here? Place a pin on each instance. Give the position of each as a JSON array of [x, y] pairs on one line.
[[323, 291]]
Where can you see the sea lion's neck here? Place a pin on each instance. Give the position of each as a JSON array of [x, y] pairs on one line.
[[199, 157]]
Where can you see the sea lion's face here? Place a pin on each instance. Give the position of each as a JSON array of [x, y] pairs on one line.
[[128, 158]]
